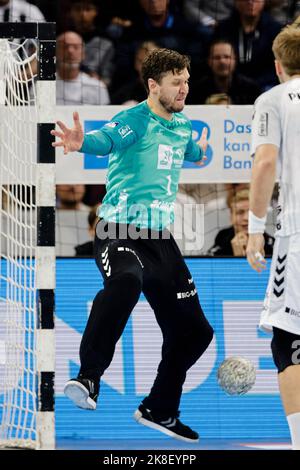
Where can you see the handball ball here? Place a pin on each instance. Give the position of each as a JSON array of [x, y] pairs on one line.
[[236, 375]]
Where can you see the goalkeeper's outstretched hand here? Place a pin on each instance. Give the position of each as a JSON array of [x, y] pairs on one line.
[[70, 139]]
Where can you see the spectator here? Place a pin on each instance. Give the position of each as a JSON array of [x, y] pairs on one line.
[[251, 31], [283, 11], [87, 248], [71, 218], [206, 12], [232, 241], [99, 51], [134, 92], [156, 22], [74, 86], [69, 197], [20, 11], [223, 78]]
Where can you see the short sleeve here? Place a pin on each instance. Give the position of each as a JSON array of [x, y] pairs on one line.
[[266, 126]]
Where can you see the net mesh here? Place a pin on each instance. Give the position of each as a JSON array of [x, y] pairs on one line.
[[18, 144]]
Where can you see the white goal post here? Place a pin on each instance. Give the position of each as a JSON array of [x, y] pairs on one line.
[[27, 235]]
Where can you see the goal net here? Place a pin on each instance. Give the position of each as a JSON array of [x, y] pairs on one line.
[[18, 239]]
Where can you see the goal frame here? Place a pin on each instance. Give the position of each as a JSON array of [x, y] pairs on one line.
[[44, 34]]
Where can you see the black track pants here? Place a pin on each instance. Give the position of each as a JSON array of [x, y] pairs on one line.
[[156, 268]]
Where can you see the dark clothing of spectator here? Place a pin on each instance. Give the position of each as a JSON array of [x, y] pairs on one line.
[[134, 90], [94, 194], [284, 11], [222, 246], [254, 50], [85, 249], [176, 33], [242, 90]]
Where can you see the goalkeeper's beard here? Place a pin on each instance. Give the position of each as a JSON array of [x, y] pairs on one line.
[[171, 107]]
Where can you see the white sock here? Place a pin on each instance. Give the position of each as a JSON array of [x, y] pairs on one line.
[[294, 425]]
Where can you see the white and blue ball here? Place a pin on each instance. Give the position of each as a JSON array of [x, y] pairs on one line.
[[236, 375]]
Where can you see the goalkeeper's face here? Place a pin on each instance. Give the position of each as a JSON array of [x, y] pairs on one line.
[[172, 90]]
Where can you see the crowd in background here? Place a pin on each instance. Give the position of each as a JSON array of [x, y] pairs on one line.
[[229, 42], [101, 45]]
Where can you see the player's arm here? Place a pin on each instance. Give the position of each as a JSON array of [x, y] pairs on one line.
[[261, 188], [114, 135], [266, 134], [195, 151], [263, 179]]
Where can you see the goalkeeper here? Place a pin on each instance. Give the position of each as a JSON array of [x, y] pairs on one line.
[[134, 251]]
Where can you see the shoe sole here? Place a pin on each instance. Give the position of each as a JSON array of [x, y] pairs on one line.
[[79, 395], [139, 418]]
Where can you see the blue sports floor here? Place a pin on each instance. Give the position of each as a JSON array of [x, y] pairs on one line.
[[170, 444]]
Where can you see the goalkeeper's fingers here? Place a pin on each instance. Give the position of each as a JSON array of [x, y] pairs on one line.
[[76, 119], [58, 144], [57, 134], [62, 126]]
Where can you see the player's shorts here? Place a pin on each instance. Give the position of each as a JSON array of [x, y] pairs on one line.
[[282, 301]]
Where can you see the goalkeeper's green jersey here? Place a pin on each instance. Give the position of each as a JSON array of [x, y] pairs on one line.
[[146, 153]]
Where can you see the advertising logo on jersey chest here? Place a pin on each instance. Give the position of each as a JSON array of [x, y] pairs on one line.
[[165, 157]]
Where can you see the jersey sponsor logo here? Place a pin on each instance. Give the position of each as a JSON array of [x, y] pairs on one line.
[[165, 157], [294, 97], [292, 312], [186, 295], [112, 124], [124, 131], [263, 125]]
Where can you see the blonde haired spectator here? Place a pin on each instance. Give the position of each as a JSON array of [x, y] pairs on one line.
[[232, 241], [218, 98]]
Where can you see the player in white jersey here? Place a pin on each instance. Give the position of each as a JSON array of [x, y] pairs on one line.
[[276, 144]]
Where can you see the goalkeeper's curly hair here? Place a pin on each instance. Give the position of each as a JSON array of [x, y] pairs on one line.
[[161, 61]]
